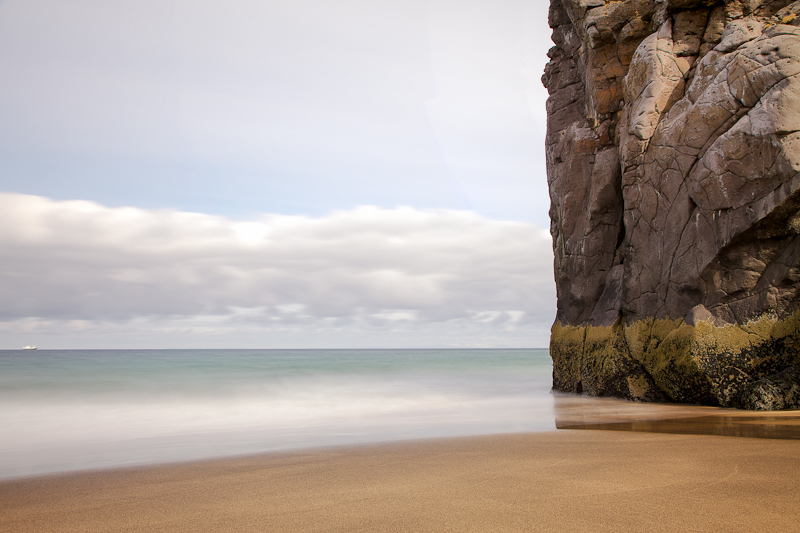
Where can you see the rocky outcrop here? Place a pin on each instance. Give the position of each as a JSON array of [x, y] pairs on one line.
[[673, 161]]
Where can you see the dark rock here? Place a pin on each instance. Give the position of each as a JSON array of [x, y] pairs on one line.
[[779, 391]]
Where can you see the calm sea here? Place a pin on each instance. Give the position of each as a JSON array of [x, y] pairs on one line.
[[64, 410]]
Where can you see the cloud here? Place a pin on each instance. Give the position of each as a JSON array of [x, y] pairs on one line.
[[82, 267], [245, 105]]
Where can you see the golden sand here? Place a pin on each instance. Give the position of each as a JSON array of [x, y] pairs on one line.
[[555, 481]]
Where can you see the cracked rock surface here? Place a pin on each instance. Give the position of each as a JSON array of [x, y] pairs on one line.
[[673, 161]]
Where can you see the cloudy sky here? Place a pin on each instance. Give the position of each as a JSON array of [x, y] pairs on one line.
[[254, 173]]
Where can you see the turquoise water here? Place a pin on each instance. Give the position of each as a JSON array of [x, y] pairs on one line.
[[63, 410]]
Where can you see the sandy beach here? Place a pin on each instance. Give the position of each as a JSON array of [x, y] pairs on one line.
[[578, 480]]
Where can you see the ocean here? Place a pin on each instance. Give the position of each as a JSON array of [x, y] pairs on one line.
[[66, 410]]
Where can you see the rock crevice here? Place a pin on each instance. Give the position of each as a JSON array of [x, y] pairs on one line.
[[673, 162]]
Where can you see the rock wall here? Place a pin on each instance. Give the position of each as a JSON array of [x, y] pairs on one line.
[[673, 159]]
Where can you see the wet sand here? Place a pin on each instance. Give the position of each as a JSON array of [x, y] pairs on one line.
[[579, 412], [553, 481]]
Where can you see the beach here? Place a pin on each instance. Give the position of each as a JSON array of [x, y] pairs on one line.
[[371, 441], [578, 480]]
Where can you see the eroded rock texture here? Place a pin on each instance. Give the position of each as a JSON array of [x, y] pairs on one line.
[[673, 159]]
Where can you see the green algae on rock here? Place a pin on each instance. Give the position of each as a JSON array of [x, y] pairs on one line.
[[754, 366]]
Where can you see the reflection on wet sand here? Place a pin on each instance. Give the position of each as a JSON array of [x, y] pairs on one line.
[[580, 412]]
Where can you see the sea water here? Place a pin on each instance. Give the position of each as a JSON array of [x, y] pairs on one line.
[[63, 410]]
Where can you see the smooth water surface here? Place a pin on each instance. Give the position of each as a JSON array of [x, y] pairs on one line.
[[73, 409]]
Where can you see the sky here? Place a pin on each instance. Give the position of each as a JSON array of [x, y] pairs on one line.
[[274, 174]]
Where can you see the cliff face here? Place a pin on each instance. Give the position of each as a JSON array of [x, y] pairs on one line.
[[673, 159]]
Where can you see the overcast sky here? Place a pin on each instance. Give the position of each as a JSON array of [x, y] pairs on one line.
[[273, 174]]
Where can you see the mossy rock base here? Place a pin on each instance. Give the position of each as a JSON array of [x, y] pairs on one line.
[[752, 366]]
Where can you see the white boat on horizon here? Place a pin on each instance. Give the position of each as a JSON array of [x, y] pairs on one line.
[[30, 348]]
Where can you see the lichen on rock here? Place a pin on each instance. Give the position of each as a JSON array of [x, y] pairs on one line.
[[673, 162]]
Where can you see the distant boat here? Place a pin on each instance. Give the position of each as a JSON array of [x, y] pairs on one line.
[[30, 348]]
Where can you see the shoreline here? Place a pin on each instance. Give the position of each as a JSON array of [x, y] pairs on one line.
[[566, 411], [595, 480]]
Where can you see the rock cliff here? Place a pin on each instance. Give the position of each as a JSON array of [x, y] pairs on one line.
[[673, 159]]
